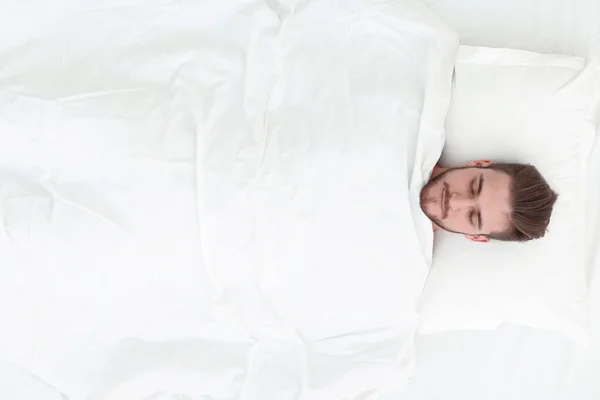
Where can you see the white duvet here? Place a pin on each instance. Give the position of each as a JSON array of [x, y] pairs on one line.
[[216, 200]]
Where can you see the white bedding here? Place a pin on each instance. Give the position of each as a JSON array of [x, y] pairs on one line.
[[309, 191], [215, 200], [570, 27], [75, 94]]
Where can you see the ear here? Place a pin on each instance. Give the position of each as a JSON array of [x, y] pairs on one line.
[[480, 163], [478, 238]]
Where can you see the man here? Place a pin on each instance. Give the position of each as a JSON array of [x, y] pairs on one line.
[[483, 201]]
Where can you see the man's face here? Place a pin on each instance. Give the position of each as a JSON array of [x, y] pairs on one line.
[[474, 201]]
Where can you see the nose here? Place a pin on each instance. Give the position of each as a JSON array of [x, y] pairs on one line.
[[457, 202]]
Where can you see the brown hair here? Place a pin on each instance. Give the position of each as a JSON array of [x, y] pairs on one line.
[[532, 201]]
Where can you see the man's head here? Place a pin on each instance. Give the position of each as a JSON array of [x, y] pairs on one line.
[[484, 201]]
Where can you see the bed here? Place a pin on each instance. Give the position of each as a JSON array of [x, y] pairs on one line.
[[129, 271]]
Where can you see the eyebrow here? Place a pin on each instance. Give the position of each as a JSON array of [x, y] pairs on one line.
[[478, 193]]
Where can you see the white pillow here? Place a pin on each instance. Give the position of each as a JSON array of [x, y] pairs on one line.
[[517, 106]]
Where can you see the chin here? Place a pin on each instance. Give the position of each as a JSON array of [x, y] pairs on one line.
[[429, 199]]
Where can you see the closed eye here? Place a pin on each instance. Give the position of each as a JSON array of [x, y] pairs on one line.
[[476, 185], [479, 222], [475, 218], [475, 214]]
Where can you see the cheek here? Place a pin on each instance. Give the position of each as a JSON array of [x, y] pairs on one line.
[[451, 220], [457, 221], [457, 184], [432, 190]]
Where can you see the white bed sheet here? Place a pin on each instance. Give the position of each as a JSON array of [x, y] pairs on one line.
[[103, 293], [119, 118]]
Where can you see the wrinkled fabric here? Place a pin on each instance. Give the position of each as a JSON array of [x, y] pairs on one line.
[[216, 200]]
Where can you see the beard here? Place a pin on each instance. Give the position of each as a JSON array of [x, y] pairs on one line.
[[426, 197]]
